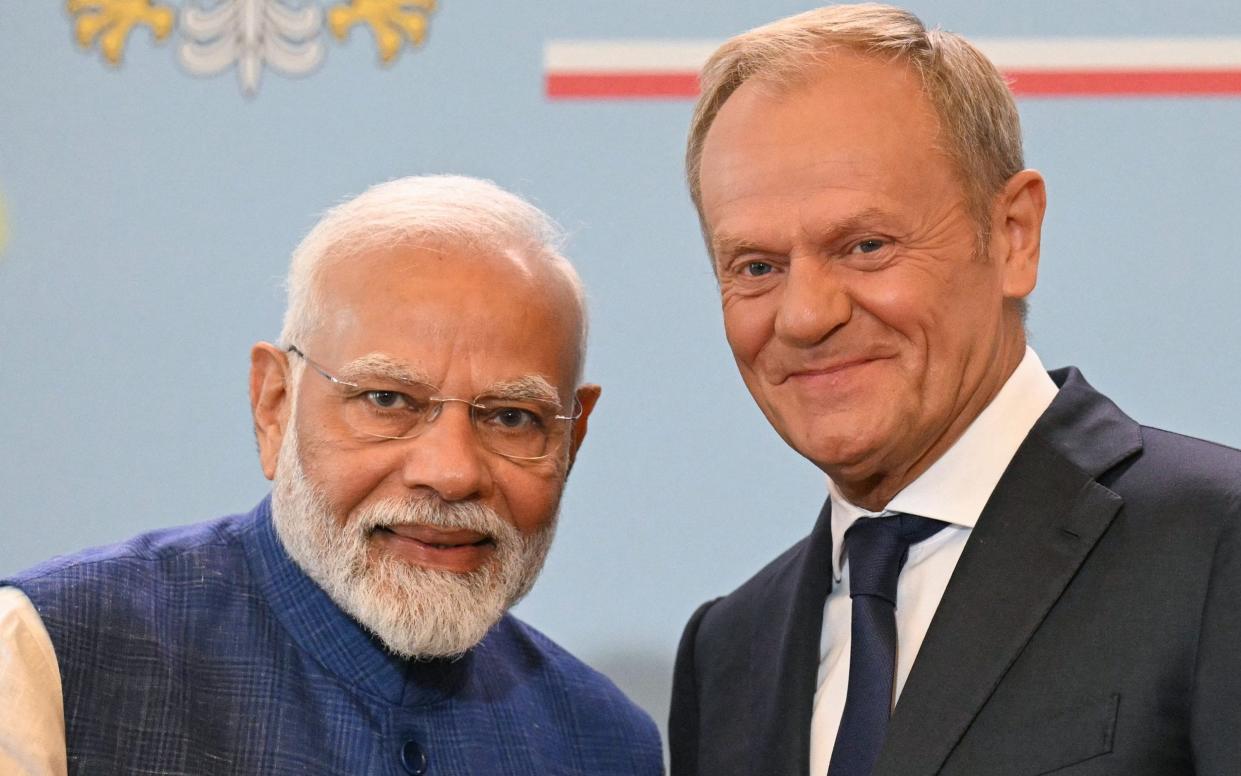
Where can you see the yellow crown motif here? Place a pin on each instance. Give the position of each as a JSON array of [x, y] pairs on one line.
[[249, 35]]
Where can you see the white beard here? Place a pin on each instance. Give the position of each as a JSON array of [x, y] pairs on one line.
[[416, 612]]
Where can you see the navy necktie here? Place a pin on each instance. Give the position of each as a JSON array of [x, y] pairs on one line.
[[876, 548]]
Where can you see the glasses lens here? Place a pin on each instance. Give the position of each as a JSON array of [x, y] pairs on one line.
[[389, 413], [520, 429]]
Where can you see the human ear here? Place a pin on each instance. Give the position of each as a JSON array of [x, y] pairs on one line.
[[1016, 232], [270, 398], [587, 396]]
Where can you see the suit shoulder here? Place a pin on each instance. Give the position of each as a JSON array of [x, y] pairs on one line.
[[1191, 452], [1181, 498], [1208, 474], [768, 587]]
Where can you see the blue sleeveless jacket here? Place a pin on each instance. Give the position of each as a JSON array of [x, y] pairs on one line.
[[205, 650]]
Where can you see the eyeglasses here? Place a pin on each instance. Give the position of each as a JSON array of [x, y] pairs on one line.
[[523, 429]]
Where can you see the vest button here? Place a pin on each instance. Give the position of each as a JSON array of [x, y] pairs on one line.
[[413, 759]]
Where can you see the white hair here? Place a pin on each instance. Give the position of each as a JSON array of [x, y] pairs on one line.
[[449, 210]]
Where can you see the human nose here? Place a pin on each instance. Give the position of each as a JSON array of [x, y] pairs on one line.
[[813, 302], [447, 458]]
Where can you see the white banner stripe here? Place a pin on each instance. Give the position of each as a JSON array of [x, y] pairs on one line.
[[659, 56], [1113, 53], [630, 56]]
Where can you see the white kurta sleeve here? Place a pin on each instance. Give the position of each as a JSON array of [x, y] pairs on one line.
[[32, 717]]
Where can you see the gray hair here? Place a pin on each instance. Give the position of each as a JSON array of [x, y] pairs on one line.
[[438, 209]]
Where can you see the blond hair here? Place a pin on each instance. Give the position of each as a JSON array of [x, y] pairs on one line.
[[969, 96]]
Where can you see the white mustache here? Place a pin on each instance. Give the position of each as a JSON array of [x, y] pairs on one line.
[[437, 513]]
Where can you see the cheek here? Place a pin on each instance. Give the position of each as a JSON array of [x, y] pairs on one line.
[[530, 498], [748, 325], [915, 312], [346, 477], [901, 297]]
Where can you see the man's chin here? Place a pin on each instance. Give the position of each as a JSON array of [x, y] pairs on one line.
[[423, 613], [834, 451]]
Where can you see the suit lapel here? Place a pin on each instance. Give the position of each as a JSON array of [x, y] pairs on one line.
[[784, 657], [1045, 515]]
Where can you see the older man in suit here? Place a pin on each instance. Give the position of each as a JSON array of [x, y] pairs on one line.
[[1009, 576]]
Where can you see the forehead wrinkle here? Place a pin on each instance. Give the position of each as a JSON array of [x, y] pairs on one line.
[[829, 230], [382, 365]]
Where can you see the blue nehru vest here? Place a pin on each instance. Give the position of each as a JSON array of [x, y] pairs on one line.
[[206, 650]]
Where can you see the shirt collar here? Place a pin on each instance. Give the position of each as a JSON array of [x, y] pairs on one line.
[[957, 486]]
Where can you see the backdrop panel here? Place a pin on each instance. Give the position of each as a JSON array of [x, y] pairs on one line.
[[153, 186]]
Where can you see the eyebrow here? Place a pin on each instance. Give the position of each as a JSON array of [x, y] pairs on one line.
[[378, 365], [727, 245], [374, 365], [528, 387]]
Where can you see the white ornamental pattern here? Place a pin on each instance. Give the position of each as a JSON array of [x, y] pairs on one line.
[[249, 35], [287, 36]]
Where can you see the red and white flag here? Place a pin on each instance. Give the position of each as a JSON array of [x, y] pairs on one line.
[[1035, 67]]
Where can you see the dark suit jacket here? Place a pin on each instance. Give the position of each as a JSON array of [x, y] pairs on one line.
[[1092, 625]]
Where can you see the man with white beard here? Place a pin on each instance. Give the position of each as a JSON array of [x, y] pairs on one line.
[[418, 420]]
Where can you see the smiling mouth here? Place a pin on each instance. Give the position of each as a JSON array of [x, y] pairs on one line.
[[438, 539], [830, 370], [435, 548]]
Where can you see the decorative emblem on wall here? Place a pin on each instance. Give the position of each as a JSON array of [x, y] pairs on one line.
[[287, 36]]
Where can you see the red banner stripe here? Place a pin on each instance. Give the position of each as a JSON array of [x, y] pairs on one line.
[[621, 86], [1025, 83], [1163, 83]]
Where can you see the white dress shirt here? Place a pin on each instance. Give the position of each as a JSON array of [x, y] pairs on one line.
[[955, 489], [32, 718]]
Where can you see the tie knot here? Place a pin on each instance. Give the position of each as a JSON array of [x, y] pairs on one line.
[[877, 548]]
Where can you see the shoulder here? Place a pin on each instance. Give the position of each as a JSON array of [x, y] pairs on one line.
[[1177, 478], [23, 639], [32, 728], [522, 645], [1179, 498], [771, 586], [1164, 480], [130, 573], [723, 642], [721, 634], [528, 659], [1195, 465], [1086, 428], [1182, 496]]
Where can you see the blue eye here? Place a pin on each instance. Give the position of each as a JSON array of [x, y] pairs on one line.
[[869, 246], [756, 269]]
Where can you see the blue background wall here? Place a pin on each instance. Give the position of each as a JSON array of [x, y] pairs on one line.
[[151, 215]]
